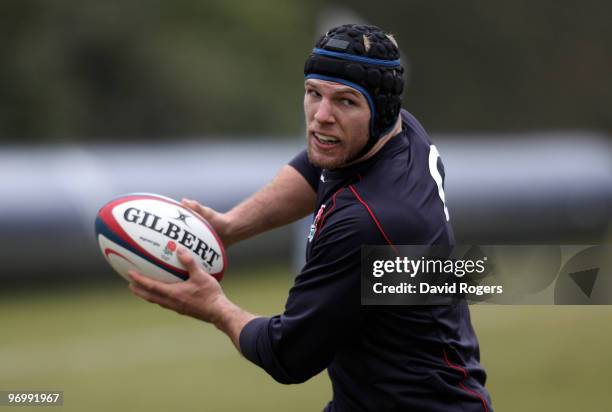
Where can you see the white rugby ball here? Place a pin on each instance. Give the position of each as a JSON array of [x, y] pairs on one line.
[[142, 231]]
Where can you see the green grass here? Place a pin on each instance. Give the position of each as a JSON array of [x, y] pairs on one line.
[[108, 350]]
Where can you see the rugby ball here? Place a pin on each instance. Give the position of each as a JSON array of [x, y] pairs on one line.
[[142, 231]]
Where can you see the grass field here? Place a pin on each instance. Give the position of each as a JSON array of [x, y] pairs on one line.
[[110, 351]]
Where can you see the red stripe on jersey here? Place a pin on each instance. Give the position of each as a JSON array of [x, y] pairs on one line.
[[378, 225], [465, 377], [322, 222]]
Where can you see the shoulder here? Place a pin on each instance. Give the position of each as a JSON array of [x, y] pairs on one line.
[[412, 127], [310, 172], [405, 206], [348, 222]]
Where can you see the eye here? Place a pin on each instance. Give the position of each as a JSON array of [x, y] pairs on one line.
[[347, 102], [312, 92]]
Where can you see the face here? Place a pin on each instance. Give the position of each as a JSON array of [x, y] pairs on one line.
[[337, 123]]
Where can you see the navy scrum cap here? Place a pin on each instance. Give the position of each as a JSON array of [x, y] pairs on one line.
[[366, 59]]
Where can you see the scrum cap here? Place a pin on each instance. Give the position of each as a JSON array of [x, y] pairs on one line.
[[366, 59]]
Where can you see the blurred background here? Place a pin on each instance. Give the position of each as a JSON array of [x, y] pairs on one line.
[[204, 100]]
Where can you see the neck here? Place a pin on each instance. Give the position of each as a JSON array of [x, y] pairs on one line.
[[380, 143]]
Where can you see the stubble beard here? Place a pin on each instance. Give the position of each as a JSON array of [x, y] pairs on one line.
[[332, 163]]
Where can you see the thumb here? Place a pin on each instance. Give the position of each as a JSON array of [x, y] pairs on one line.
[[190, 263]]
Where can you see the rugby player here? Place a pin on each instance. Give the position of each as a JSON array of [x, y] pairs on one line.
[[369, 175]]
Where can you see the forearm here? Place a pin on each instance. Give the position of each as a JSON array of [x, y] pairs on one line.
[[231, 320], [287, 198]]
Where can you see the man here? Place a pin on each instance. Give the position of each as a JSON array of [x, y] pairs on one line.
[[372, 177]]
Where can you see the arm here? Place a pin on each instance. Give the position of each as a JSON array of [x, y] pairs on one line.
[[321, 314], [287, 198], [323, 311]]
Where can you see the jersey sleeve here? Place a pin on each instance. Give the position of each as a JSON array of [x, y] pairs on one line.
[[322, 312], [310, 172]]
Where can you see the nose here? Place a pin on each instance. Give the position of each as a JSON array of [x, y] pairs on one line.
[[324, 113]]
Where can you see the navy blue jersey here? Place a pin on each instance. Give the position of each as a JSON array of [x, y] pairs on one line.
[[379, 358]]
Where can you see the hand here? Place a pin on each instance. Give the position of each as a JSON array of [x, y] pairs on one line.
[[219, 221], [200, 296]]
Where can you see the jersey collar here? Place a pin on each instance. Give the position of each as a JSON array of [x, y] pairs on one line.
[[397, 143]]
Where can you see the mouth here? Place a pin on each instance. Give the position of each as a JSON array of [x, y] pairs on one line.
[[325, 140]]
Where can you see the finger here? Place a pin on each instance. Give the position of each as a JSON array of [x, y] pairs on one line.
[[190, 263], [191, 204], [134, 276], [203, 211], [137, 277], [149, 284], [144, 293], [152, 297]]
